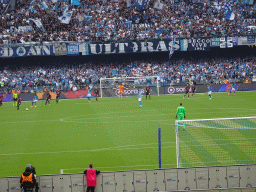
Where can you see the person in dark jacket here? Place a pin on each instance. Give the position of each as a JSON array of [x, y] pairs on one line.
[[91, 178], [27, 179]]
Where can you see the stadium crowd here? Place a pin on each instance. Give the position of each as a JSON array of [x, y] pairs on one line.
[[175, 72], [106, 20]]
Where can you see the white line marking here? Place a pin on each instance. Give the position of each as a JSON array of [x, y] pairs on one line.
[[128, 147], [92, 150], [120, 166]]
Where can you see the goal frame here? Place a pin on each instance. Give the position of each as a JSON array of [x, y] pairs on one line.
[[177, 122], [123, 78]]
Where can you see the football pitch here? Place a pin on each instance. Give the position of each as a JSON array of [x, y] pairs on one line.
[[116, 134]]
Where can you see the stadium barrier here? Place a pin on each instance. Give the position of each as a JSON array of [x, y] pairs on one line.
[[108, 92], [123, 46], [231, 178]]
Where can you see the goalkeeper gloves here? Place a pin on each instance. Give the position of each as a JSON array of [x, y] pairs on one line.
[[176, 117], [184, 116]]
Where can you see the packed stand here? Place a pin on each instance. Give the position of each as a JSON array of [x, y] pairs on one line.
[[110, 20], [175, 72]]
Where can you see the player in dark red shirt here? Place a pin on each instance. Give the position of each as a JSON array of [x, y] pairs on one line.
[[186, 91], [96, 92], [148, 91], [58, 92], [193, 90], [48, 98], [1, 100], [19, 102]]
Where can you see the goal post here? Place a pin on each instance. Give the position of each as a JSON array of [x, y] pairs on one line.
[[108, 86], [213, 142]]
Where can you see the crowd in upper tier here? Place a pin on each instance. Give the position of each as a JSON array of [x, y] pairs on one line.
[[175, 72], [105, 20]]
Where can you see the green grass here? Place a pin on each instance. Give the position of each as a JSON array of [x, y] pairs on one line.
[[116, 134]]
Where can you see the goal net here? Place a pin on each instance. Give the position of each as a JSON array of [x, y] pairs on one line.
[[108, 86], [212, 142]]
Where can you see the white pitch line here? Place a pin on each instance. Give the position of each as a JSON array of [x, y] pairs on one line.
[[93, 150], [126, 147], [120, 166]]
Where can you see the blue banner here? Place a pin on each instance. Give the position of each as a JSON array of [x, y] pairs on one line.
[[75, 2], [73, 49], [134, 47], [24, 51]]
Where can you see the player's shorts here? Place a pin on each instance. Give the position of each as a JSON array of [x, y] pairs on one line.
[[181, 117], [193, 91], [48, 99], [96, 95], [233, 89], [147, 93], [57, 97], [89, 95], [139, 99], [209, 92], [34, 101], [15, 99], [187, 92]]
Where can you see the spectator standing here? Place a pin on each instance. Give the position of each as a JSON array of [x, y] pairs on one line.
[[91, 178]]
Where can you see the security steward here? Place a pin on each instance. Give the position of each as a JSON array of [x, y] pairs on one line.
[[27, 180], [91, 178]]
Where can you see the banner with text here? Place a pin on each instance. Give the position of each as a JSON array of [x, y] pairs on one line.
[[23, 51], [199, 44], [133, 47]]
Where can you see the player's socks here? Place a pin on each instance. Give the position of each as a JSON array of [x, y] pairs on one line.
[[149, 96]]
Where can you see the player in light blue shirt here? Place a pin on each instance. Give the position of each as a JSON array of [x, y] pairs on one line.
[[209, 87], [89, 94], [140, 97], [233, 88], [35, 99]]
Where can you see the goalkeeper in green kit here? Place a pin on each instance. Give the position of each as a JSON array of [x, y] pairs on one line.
[[181, 113]]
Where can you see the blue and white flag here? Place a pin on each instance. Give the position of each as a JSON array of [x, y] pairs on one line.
[[44, 5], [66, 17], [128, 24], [65, 9], [230, 15], [56, 7], [227, 6], [171, 50], [158, 5], [216, 5], [140, 4], [31, 7], [38, 24], [128, 3], [75, 2], [88, 20]]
